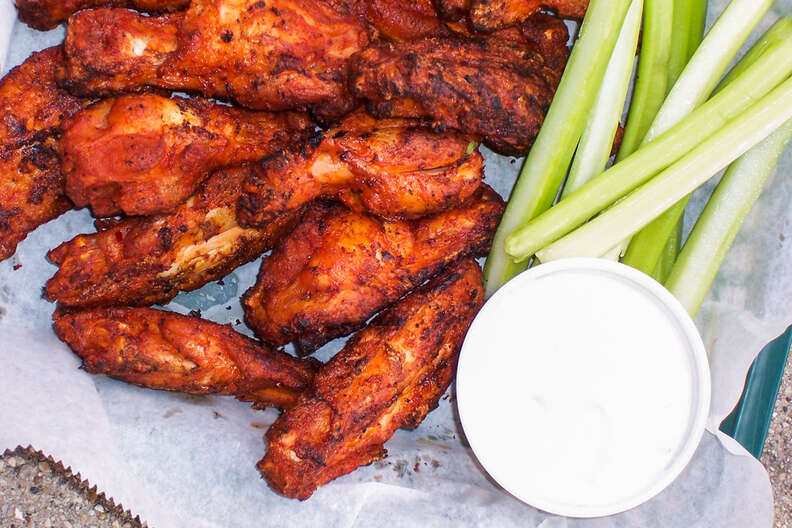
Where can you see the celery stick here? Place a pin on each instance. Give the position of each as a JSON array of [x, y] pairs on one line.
[[719, 223], [597, 140], [669, 255], [708, 63], [757, 80], [781, 30], [697, 23], [678, 180], [647, 246], [689, 19], [652, 80], [548, 160]]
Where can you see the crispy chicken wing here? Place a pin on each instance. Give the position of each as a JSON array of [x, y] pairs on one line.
[[47, 14], [146, 154], [165, 350], [147, 260], [273, 55], [32, 108], [388, 376], [489, 15], [338, 268], [494, 88], [395, 168], [396, 19]]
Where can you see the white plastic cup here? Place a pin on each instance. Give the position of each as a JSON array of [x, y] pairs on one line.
[[583, 387]]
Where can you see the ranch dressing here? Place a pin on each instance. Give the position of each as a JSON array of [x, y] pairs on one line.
[[583, 387]]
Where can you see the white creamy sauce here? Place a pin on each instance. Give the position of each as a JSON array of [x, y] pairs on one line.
[[578, 390]]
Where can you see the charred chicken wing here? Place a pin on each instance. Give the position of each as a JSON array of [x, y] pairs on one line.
[[146, 154], [32, 108], [388, 376], [273, 55], [338, 268], [395, 168], [47, 14], [147, 260], [493, 88], [165, 350], [489, 15]]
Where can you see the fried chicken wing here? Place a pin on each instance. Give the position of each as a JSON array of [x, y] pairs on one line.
[[164, 350], [32, 108], [493, 88], [338, 268], [388, 376], [47, 14], [395, 19], [146, 154], [395, 168], [489, 15], [273, 55], [147, 260]]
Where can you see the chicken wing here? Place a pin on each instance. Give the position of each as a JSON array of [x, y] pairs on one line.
[[395, 168], [32, 108], [388, 376], [493, 88], [395, 19], [274, 55], [338, 268], [146, 154], [47, 14], [489, 15], [147, 260], [164, 350]]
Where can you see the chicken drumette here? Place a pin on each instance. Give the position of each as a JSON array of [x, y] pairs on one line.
[[147, 260], [146, 154], [338, 268], [497, 88], [32, 108], [395, 168], [388, 376], [164, 350], [273, 55]]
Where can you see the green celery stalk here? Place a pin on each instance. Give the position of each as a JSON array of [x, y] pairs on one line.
[[596, 142], [646, 248], [652, 81], [547, 163], [680, 179], [697, 23], [669, 255], [708, 63], [755, 82], [781, 30], [715, 231]]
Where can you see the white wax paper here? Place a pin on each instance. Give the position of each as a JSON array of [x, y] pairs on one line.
[[189, 461]]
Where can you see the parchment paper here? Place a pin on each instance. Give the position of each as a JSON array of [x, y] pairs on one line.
[[189, 461]]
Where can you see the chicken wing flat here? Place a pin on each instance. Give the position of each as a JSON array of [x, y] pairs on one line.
[[388, 376], [147, 260], [489, 15], [165, 350], [146, 154], [273, 55], [338, 268], [395, 19], [395, 168], [32, 108], [493, 88], [47, 14]]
